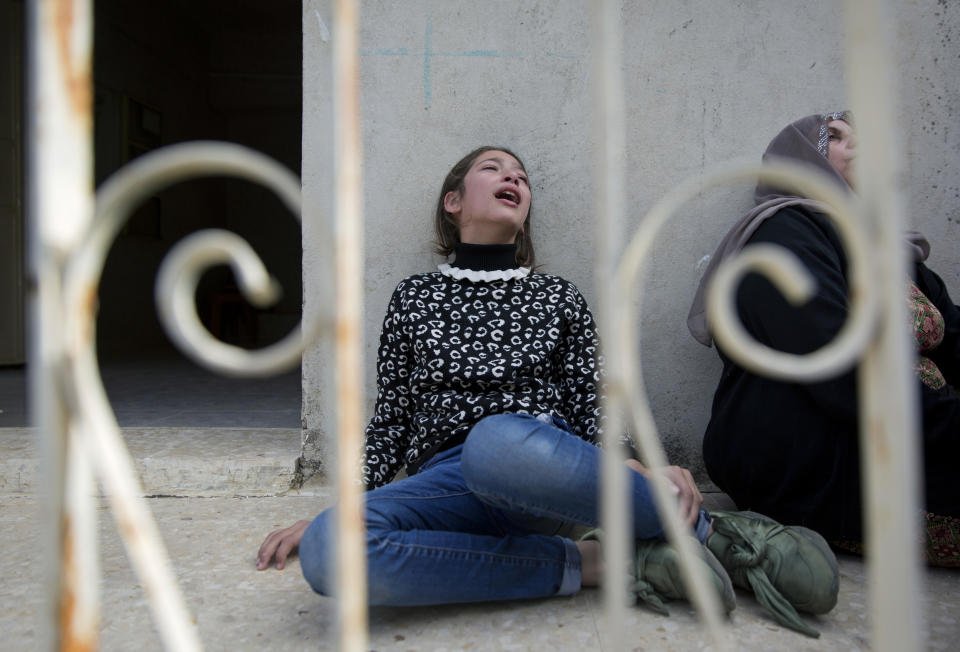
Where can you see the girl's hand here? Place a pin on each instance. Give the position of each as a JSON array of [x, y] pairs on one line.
[[688, 496], [279, 544], [683, 487]]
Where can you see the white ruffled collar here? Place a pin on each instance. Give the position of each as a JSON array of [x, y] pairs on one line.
[[477, 276]]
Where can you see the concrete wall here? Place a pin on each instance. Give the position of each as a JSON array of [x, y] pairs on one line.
[[706, 82]]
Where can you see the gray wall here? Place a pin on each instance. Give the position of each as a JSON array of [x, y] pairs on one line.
[[706, 82]]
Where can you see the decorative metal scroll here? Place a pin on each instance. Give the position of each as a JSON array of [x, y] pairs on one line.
[[70, 237], [627, 386], [870, 226], [96, 426]]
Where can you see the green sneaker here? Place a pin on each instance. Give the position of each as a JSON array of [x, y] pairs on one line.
[[656, 575], [787, 568]]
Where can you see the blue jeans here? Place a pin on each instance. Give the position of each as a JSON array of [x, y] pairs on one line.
[[482, 521]]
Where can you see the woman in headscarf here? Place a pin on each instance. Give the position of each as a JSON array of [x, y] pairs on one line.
[[790, 450]]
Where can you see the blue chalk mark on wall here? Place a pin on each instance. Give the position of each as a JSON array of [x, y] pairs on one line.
[[427, 91], [478, 53], [428, 54], [385, 52]]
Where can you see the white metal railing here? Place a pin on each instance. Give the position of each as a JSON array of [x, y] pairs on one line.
[[69, 239], [870, 226], [70, 234]]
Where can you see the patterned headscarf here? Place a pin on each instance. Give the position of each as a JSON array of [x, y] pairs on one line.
[[823, 136], [807, 141]]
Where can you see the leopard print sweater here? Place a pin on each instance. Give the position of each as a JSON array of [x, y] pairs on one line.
[[453, 351]]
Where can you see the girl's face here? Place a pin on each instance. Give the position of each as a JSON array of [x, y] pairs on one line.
[[494, 202], [842, 148]]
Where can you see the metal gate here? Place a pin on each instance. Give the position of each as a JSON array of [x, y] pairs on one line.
[[70, 232]]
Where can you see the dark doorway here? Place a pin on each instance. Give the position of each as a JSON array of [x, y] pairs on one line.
[[167, 72]]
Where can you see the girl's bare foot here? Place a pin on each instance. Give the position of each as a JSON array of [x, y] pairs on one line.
[[591, 562]]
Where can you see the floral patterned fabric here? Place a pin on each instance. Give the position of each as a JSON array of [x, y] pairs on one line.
[[941, 538], [941, 533], [927, 328]]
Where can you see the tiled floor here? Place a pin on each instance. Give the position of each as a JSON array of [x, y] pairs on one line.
[[216, 456], [165, 389], [212, 543]]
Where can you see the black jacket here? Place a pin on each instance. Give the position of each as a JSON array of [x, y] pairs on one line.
[[790, 450]]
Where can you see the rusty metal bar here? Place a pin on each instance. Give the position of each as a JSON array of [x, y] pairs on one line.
[[60, 204], [66, 390], [348, 235], [68, 250], [889, 417]]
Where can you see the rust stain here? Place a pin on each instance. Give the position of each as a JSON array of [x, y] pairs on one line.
[[68, 600], [70, 639], [88, 312], [89, 305], [128, 530], [877, 438], [76, 73], [344, 331]]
